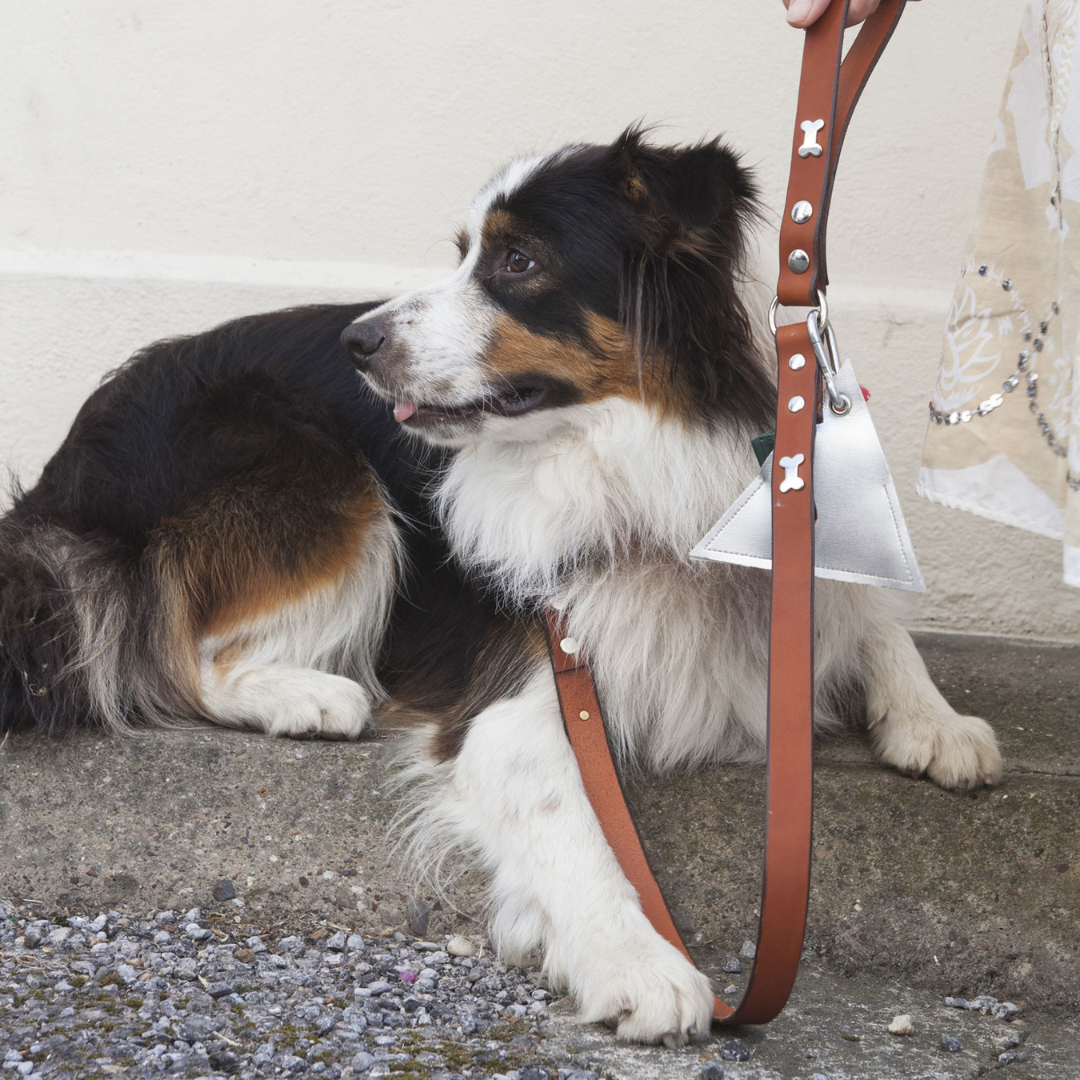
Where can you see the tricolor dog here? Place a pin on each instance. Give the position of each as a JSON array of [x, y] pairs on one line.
[[297, 521]]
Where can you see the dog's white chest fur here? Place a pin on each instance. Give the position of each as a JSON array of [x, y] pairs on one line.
[[602, 514]]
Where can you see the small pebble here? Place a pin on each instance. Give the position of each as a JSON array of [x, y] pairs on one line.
[[417, 915], [731, 965], [1009, 1041], [460, 946], [950, 1043], [712, 1072], [902, 1025], [748, 950], [736, 1050], [224, 890], [1012, 1055]]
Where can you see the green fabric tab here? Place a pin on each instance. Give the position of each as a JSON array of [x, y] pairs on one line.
[[763, 445]]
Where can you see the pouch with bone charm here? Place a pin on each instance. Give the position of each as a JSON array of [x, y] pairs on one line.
[[860, 534]]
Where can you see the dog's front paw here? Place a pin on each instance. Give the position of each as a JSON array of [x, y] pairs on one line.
[[648, 991], [956, 752]]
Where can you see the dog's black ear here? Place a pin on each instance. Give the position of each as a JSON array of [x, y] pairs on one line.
[[684, 195], [691, 209]]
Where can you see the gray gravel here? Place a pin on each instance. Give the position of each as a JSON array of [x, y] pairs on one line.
[[177, 994]]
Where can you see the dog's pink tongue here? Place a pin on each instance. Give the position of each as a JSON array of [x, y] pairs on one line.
[[403, 410]]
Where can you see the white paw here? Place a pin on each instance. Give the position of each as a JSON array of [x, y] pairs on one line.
[[956, 752], [647, 990], [314, 704]]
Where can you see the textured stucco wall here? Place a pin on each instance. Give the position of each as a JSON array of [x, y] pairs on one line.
[[164, 166]]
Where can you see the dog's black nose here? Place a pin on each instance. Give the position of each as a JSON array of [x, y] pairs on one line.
[[363, 339]]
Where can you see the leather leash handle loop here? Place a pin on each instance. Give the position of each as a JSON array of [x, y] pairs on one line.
[[828, 93], [828, 99]]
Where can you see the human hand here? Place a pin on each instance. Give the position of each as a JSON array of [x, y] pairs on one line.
[[803, 13]]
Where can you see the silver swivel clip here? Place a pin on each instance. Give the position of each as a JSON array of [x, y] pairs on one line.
[[828, 356]]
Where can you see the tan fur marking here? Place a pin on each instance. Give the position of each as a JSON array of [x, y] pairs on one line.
[[269, 587], [608, 369], [498, 226], [227, 561]]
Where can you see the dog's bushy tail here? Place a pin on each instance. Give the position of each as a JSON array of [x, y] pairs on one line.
[[72, 636]]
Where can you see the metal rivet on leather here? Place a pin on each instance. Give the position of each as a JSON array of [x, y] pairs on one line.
[[569, 645], [798, 261], [583, 715], [801, 212], [795, 404], [797, 362]]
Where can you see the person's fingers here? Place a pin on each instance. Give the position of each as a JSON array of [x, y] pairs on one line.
[[803, 13], [861, 9]]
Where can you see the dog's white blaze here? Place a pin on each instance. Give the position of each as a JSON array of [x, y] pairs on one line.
[[442, 333], [513, 796], [507, 181]]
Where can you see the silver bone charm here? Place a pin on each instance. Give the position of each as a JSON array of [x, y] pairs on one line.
[[810, 146], [860, 533], [792, 480]]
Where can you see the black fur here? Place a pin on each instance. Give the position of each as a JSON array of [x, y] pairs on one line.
[[654, 238], [249, 405], [270, 409]]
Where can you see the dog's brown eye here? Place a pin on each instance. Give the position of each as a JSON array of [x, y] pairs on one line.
[[518, 263]]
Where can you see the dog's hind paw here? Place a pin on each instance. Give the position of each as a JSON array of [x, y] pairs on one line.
[[296, 703], [323, 706], [956, 752], [649, 992]]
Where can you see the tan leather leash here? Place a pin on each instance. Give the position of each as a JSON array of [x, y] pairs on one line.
[[828, 93]]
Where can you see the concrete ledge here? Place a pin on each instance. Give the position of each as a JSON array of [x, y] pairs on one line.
[[959, 894]]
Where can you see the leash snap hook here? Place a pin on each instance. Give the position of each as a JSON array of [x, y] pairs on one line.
[[828, 356]]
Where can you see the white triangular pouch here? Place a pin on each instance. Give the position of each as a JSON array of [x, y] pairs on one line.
[[860, 533]]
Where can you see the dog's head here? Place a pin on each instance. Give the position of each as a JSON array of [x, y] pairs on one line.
[[592, 272]]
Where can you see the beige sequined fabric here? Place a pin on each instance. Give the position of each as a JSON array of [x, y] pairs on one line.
[[1004, 435]]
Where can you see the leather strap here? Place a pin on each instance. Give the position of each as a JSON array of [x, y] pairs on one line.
[[828, 92], [830, 98]]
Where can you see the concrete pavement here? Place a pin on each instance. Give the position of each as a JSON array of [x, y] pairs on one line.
[[917, 893]]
